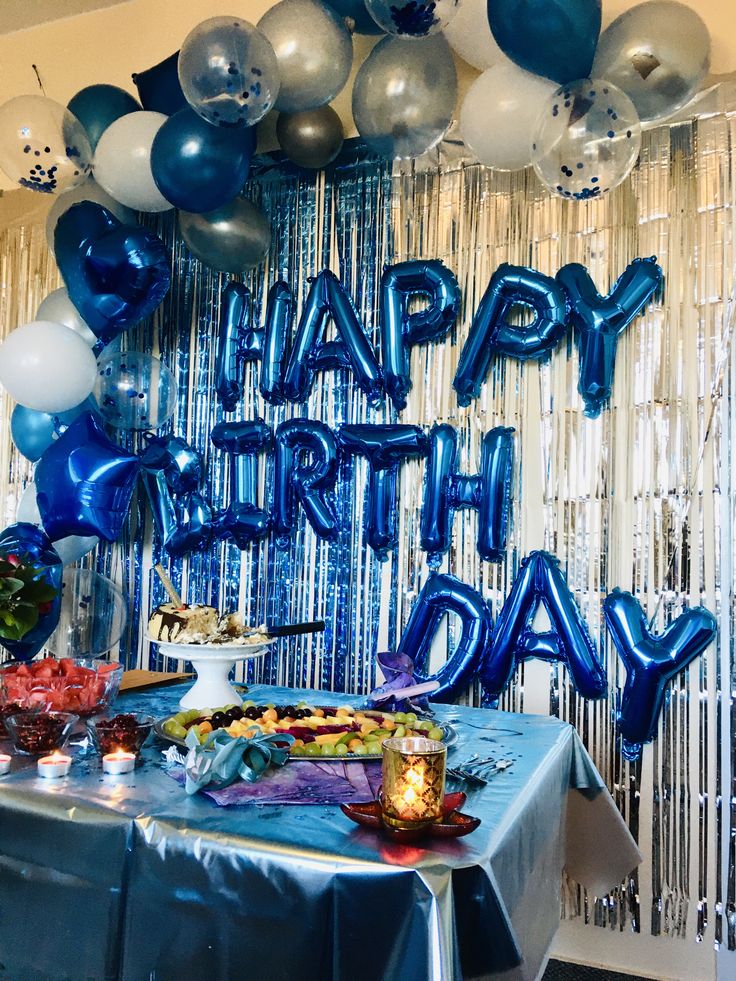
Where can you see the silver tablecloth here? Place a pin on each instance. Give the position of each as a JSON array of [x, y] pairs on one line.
[[127, 878]]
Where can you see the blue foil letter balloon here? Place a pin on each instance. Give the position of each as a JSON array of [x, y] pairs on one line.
[[489, 492], [238, 342], [384, 447], [305, 469], [243, 521], [116, 275], [490, 332], [554, 38], [651, 662], [327, 298], [276, 332], [30, 544], [85, 483], [171, 472], [443, 594], [600, 320], [540, 581], [400, 329]]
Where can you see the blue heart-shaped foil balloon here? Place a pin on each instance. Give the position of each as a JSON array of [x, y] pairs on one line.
[[116, 274]]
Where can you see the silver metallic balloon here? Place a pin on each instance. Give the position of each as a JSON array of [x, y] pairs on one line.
[[311, 139], [314, 51], [404, 95], [658, 53], [231, 239]]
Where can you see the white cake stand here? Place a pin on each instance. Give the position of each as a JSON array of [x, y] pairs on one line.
[[212, 663]]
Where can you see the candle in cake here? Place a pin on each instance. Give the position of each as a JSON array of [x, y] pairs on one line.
[[413, 781]]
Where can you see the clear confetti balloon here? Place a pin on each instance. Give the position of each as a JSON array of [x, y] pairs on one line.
[[93, 615], [135, 391], [314, 51], [42, 145], [587, 139], [658, 53], [404, 96], [228, 72], [412, 18]]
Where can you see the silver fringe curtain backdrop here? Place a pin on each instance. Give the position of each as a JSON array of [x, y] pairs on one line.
[[641, 498]]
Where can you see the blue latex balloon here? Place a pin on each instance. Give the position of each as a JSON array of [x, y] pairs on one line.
[[310, 353], [402, 329], [116, 275], [242, 521], [33, 432], [554, 38], [356, 11], [171, 471], [199, 167], [96, 106], [540, 581], [385, 447], [85, 483], [600, 320], [651, 662], [30, 544], [276, 332], [305, 469], [443, 594], [490, 333], [237, 343], [488, 492], [159, 89]]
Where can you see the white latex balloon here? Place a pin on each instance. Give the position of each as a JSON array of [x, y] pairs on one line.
[[46, 366], [470, 36], [499, 115], [122, 164], [58, 308], [68, 549], [89, 191]]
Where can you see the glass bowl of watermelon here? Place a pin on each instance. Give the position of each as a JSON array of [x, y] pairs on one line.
[[82, 685]]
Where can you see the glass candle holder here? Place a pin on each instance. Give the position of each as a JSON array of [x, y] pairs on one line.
[[413, 788]]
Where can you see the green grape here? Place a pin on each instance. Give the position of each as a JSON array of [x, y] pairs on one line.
[[312, 749], [296, 751], [400, 717], [435, 733], [172, 728], [399, 732], [411, 717], [424, 725], [328, 749], [361, 750], [341, 749]]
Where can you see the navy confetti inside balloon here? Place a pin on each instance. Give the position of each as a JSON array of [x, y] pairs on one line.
[[587, 139]]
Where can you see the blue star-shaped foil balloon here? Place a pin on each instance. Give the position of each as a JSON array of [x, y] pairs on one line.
[[85, 483], [116, 274]]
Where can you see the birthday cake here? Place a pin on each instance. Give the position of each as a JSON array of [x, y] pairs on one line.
[[199, 624]]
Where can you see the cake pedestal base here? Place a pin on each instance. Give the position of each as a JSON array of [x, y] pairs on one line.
[[212, 664]]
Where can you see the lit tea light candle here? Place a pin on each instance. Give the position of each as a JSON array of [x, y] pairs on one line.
[[413, 781], [54, 766], [4, 764], [118, 762]]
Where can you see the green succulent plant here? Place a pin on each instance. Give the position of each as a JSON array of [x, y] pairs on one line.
[[25, 595]]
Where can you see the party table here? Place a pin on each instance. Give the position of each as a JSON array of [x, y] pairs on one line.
[[127, 878]]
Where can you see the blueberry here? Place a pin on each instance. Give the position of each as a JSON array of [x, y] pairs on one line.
[[218, 720], [235, 713]]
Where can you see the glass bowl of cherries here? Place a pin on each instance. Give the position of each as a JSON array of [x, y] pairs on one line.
[[33, 733], [126, 731]]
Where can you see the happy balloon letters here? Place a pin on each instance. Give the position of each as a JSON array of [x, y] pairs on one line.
[[419, 303]]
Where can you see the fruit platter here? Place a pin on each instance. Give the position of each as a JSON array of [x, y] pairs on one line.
[[319, 731]]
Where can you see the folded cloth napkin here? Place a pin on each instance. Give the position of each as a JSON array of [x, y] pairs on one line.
[[222, 758], [398, 670]]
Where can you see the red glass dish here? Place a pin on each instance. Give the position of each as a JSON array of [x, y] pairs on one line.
[[453, 824]]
